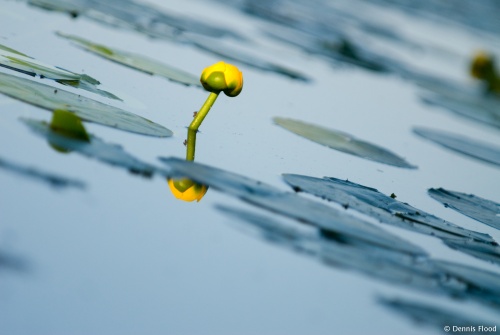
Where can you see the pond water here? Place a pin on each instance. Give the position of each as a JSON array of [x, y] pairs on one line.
[[88, 247]]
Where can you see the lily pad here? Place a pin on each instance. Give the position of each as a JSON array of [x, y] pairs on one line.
[[52, 179], [482, 210], [50, 98], [94, 147], [135, 61], [17, 61], [342, 142], [288, 204], [390, 211], [470, 147]]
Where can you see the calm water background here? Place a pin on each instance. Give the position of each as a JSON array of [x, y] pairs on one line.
[[125, 257]]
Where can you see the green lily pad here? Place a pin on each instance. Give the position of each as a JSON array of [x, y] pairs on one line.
[[135, 61], [17, 61], [342, 142], [482, 210], [50, 178], [50, 98], [288, 204], [92, 147], [469, 147]]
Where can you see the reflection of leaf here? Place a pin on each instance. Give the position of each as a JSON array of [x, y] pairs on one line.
[[87, 109], [288, 204], [52, 179], [142, 17], [482, 108], [482, 210], [95, 148], [387, 210], [14, 60], [69, 125], [431, 315], [343, 142], [215, 47], [376, 262], [136, 61], [464, 145]]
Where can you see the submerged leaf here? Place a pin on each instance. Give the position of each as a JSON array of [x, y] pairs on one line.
[[482, 210], [69, 125], [135, 61], [14, 60], [464, 145], [87, 109], [342, 142]]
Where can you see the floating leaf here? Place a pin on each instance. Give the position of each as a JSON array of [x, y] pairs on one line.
[[135, 61], [390, 211], [52, 179], [342, 142], [472, 148], [14, 60], [87, 109], [288, 204], [482, 210], [94, 147]]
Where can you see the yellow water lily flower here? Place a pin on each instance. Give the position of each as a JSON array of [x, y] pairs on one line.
[[187, 189], [222, 77]]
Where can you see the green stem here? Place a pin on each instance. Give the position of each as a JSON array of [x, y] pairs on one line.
[[200, 116], [191, 144]]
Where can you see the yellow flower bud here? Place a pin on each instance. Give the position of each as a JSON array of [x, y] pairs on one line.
[[222, 77], [187, 189]]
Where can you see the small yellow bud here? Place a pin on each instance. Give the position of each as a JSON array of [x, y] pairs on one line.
[[186, 189], [222, 77]]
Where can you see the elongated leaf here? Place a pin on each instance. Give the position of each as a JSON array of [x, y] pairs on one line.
[[136, 61], [482, 210], [93, 148], [472, 148], [87, 109], [342, 142], [17, 61], [390, 211], [288, 204]]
